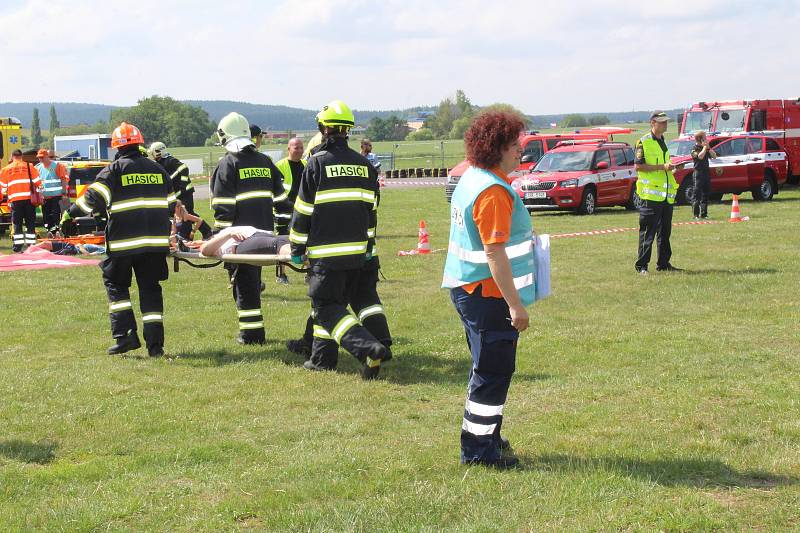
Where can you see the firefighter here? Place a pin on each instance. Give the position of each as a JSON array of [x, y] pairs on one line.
[[17, 181], [55, 181], [137, 196], [244, 186], [179, 176], [291, 168], [333, 215]]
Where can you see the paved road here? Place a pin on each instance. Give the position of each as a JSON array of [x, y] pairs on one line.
[[201, 187]]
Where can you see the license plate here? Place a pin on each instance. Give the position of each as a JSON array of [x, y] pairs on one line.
[[536, 194]]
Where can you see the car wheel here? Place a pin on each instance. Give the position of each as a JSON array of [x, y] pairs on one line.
[[685, 194], [634, 202], [588, 202], [766, 190]]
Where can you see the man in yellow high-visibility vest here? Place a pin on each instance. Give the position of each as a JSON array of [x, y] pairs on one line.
[[657, 188]]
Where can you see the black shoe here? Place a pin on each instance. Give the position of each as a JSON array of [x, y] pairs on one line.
[[299, 347], [504, 444], [641, 271], [283, 280], [503, 463], [241, 339], [668, 268], [368, 373], [125, 344], [309, 365], [155, 351]]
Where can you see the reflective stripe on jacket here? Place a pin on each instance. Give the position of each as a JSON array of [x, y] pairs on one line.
[[466, 259], [51, 183], [15, 181]]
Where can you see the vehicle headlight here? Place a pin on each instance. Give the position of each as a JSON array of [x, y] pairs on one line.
[[569, 184]]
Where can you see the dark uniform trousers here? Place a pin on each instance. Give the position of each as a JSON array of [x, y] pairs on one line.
[[150, 269], [331, 291], [51, 212], [246, 280], [492, 342], [23, 217], [702, 190], [655, 218], [366, 305]]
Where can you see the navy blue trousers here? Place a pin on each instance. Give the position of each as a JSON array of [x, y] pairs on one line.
[[492, 341]]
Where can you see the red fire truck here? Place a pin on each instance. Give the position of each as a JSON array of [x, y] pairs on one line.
[[779, 119]]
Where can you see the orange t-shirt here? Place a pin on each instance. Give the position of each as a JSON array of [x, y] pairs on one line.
[[492, 215]]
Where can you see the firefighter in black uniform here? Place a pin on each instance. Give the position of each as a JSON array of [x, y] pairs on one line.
[[243, 187], [181, 184], [333, 224], [136, 194]]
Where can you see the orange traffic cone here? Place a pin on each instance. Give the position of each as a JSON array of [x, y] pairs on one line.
[[736, 215], [423, 246]]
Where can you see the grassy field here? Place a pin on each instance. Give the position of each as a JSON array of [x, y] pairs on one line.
[[667, 402]]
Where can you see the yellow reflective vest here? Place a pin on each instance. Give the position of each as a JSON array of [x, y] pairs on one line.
[[286, 170], [655, 185]]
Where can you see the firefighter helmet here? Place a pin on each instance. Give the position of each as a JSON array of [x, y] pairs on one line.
[[157, 149], [125, 135], [234, 132], [336, 113]]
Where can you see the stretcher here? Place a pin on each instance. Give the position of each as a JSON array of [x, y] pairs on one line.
[[198, 260], [80, 239]]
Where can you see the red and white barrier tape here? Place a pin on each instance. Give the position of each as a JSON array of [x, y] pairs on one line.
[[622, 230]]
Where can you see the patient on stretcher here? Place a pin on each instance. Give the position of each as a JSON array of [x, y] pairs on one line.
[[243, 240]]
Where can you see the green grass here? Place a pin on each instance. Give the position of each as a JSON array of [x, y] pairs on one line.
[[661, 403]]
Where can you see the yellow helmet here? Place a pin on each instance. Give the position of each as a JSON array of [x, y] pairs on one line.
[[336, 113]]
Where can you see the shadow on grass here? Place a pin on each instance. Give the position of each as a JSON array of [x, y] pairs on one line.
[[668, 472], [729, 272], [272, 349], [29, 452]]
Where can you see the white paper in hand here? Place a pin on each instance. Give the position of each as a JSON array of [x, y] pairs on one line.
[[541, 254]]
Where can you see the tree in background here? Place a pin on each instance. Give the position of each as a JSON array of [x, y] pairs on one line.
[[599, 120], [448, 122], [54, 125], [161, 118], [392, 128], [574, 120], [422, 134], [36, 129]]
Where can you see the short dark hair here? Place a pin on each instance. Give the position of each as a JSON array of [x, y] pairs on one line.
[[16, 153], [488, 135], [255, 131]]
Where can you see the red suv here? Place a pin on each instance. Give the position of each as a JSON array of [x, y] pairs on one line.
[[582, 176], [755, 163], [534, 145]]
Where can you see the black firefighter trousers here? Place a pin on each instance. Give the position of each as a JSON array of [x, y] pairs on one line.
[[150, 269], [365, 332], [246, 281], [655, 218]]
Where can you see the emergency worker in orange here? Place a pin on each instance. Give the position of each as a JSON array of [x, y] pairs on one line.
[[490, 273], [17, 181]]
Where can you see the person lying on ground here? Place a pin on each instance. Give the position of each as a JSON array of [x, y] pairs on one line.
[[65, 248]]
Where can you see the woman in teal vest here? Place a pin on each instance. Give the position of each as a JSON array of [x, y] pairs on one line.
[[490, 274]]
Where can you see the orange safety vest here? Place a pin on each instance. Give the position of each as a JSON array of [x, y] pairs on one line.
[[15, 182]]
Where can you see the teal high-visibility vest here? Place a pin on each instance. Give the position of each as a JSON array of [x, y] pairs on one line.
[[655, 185], [466, 259], [51, 183]]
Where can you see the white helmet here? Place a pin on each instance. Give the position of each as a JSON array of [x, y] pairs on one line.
[[234, 132], [157, 149]]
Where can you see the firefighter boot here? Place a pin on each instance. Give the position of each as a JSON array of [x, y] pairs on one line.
[[125, 344], [155, 350], [372, 365]]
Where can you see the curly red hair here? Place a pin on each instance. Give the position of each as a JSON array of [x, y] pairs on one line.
[[488, 135]]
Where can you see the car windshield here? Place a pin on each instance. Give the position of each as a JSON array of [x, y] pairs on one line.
[[730, 120], [680, 147], [697, 120], [564, 162]]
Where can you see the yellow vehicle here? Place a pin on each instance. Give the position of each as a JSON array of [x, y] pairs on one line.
[[10, 138]]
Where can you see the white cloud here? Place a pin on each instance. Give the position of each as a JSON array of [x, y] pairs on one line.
[[544, 57]]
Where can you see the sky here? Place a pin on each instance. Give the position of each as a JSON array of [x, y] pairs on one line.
[[540, 56]]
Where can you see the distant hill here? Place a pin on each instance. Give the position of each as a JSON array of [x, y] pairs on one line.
[[276, 117]]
